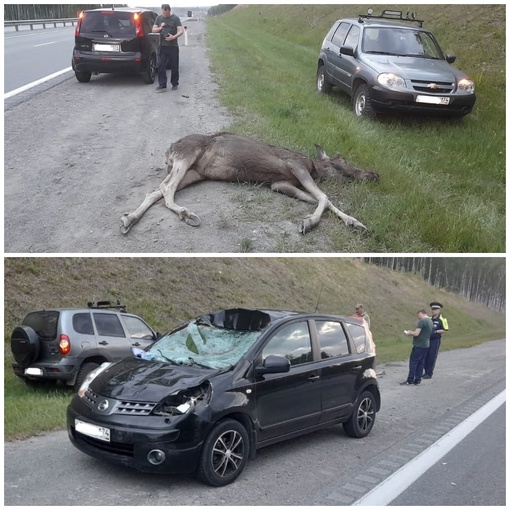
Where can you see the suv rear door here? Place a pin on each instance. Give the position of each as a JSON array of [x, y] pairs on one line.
[[342, 366]]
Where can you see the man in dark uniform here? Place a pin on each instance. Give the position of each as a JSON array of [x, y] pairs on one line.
[[170, 26], [440, 327]]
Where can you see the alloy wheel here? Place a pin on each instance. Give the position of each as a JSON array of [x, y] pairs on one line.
[[228, 453], [366, 414]]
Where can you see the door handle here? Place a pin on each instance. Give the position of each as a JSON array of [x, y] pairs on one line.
[[136, 344], [357, 368], [104, 342], [313, 378]]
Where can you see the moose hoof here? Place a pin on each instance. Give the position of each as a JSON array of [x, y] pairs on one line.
[[306, 226], [357, 224], [191, 219], [126, 224]]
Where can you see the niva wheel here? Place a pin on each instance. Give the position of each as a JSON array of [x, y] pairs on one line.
[[363, 416], [224, 453], [362, 104]]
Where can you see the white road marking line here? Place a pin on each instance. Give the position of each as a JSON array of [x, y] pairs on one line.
[[44, 44], [399, 481], [35, 83]]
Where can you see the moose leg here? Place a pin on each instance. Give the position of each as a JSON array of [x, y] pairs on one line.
[[309, 184], [130, 219], [179, 177]]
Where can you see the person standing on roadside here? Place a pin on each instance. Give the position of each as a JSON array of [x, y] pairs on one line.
[[421, 342], [170, 26], [360, 312], [440, 327]]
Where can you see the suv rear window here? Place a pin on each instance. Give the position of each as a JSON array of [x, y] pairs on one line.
[[82, 323], [113, 23], [43, 323]]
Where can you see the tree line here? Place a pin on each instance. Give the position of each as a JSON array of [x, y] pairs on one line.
[[47, 11], [217, 10], [478, 279]]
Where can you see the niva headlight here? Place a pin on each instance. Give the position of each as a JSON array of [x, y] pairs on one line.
[[185, 401], [467, 86], [391, 81]]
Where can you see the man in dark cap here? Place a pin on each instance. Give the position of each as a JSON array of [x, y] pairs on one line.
[[440, 327], [360, 312]]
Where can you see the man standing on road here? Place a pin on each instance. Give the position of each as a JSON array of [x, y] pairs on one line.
[[170, 26], [440, 327], [421, 342]]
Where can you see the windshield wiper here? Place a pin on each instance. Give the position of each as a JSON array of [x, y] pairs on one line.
[[168, 359], [193, 362]]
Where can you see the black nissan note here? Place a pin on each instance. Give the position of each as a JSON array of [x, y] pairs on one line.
[[115, 41], [207, 395]]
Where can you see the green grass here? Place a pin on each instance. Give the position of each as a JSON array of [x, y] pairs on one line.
[[442, 183], [168, 291]]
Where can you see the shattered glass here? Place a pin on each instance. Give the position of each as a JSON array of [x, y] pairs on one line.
[[212, 341]]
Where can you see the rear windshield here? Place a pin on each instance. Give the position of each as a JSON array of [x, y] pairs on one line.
[[43, 323], [112, 23]]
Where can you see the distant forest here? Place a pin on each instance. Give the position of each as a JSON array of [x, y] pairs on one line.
[[47, 11], [480, 279]]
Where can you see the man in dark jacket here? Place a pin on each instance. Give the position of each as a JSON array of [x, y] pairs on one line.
[[440, 327], [170, 27]]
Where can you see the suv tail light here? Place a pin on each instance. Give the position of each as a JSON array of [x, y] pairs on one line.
[[78, 25], [138, 24], [64, 344]]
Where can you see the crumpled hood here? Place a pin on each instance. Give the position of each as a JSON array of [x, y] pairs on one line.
[[413, 68], [147, 381]]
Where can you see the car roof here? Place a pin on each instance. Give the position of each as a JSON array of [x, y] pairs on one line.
[[121, 9], [382, 23]]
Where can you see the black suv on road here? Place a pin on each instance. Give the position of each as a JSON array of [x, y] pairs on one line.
[[387, 64], [66, 344], [115, 41], [208, 394]]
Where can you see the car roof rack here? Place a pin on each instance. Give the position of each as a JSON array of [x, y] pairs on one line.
[[106, 304], [392, 15]]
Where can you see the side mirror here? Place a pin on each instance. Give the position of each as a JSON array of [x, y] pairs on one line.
[[450, 58], [158, 336], [347, 50], [273, 365]]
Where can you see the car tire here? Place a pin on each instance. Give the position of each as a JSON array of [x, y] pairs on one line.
[[224, 454], [363, 416], [323, 84], [362, 104], [24, 345], [150, 74], [83, 77], [85, 370]]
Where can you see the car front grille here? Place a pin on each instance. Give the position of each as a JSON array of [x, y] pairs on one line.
[[119, 406], [429, 87]]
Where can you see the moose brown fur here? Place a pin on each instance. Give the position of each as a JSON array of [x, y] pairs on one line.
[[228, 157]]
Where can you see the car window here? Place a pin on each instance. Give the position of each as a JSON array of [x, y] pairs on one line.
[[108, 325], [82, 323], [292, 342], [43, 323], [113, 23], [352, 37], [358, 335], [137, 328], [339, 35], [332, 339]]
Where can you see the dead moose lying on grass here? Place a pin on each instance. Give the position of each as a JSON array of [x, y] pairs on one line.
[[228, 157]]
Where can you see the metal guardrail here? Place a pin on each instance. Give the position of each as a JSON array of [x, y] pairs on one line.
[[43, 22]]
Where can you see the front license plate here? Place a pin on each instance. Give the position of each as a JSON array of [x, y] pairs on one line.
[[95, 431], [106, 47], [432, 100]]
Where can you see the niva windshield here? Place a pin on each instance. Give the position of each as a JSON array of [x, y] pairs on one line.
[[213, 341], [402, 42]]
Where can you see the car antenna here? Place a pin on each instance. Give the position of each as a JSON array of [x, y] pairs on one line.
[[318, 298]]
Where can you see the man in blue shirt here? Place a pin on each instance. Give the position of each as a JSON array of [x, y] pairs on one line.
[[440, 327]]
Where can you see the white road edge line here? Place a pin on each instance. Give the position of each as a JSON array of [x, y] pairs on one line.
[[399, 481], [35, 83]]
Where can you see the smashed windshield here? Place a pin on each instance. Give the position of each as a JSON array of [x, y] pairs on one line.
[[212, 341], [402, 42]]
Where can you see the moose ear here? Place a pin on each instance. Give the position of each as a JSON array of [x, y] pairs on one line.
[[320, 152]]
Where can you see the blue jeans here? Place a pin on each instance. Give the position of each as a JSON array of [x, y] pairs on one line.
[[168, 55], [430, 359], [416, 362]]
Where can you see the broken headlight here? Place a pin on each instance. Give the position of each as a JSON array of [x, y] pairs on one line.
[[184, 401]]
